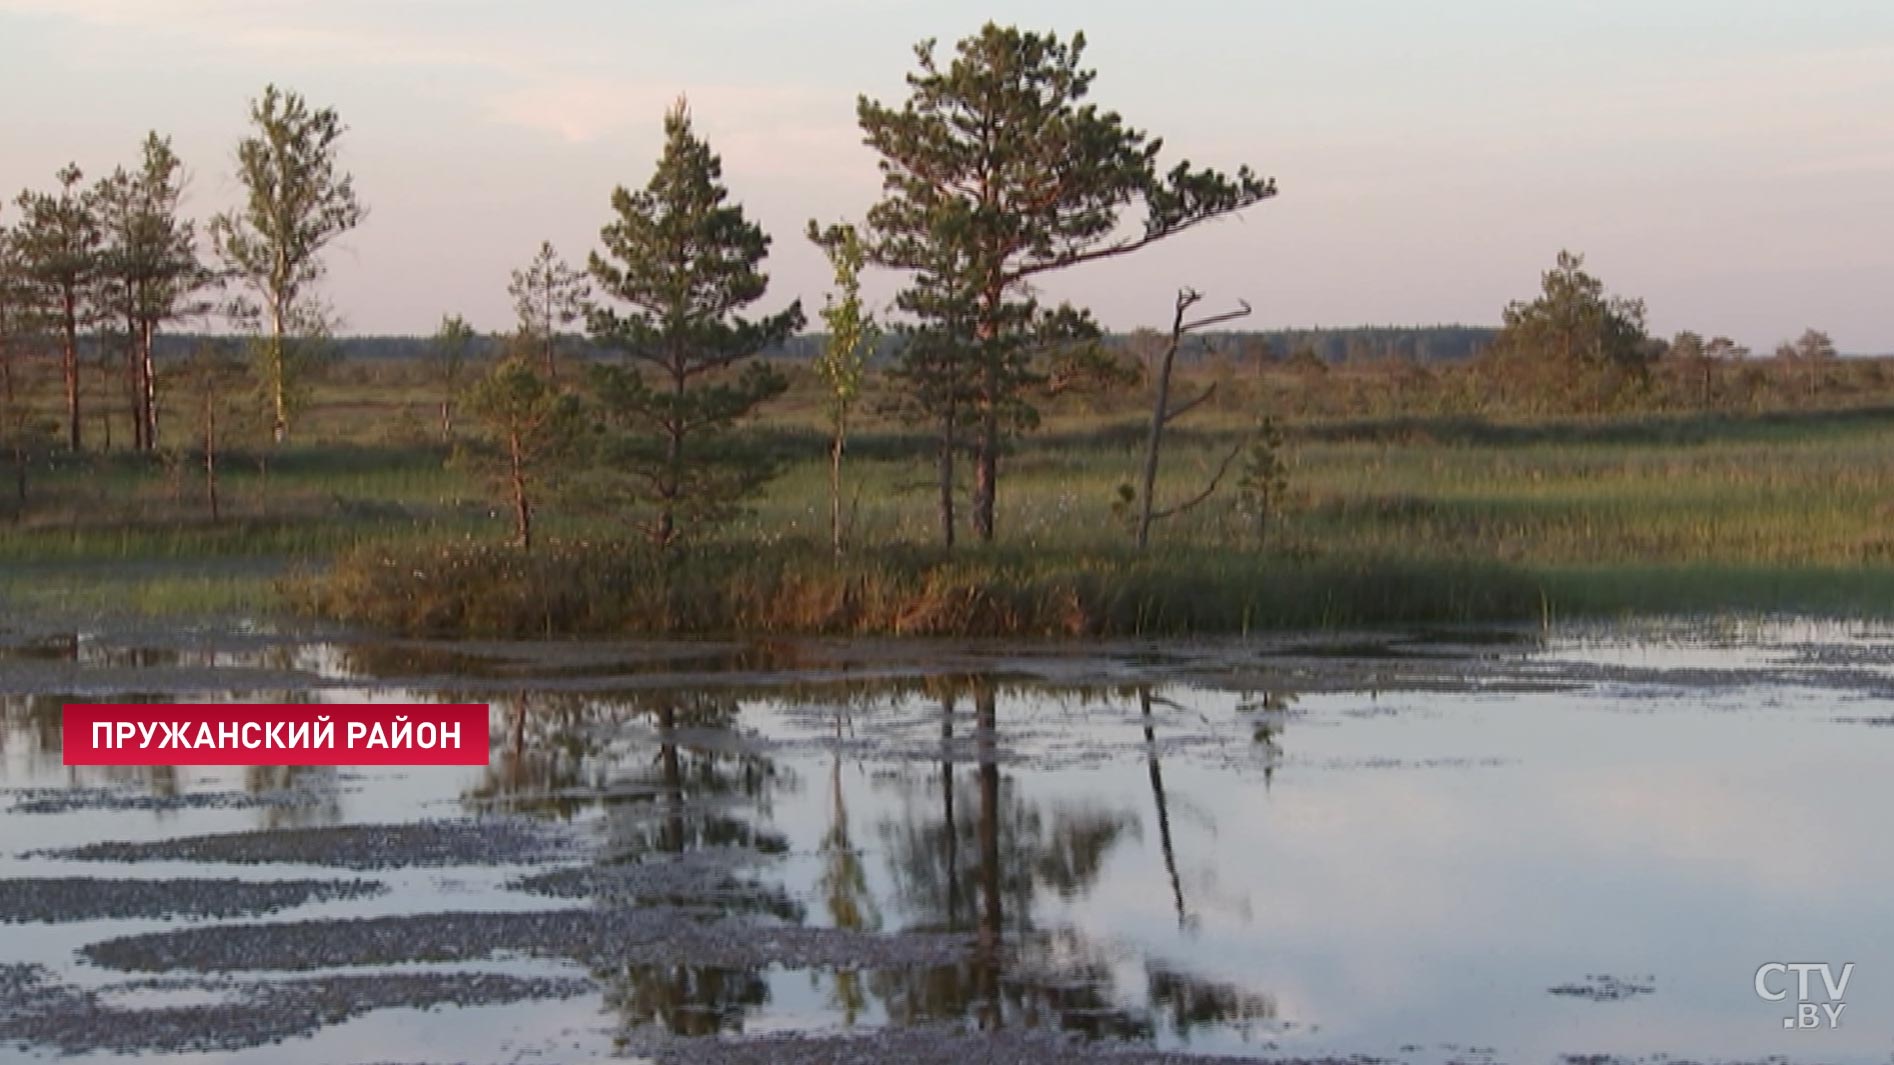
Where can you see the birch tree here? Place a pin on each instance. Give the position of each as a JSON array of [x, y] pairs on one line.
[[447, 354], [297, 203], [852, 337]]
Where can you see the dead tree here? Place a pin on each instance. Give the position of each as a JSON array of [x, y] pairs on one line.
[[1163, 414]]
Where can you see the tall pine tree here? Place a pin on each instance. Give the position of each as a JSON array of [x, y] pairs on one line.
[[686, 262], [24, 432], [57, 240], [151, 268], [996, 171]]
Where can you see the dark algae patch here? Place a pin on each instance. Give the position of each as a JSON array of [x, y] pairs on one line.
[[923, 1045], [1602, 987], [52, 900], [651, 936], [77, 1021], [484, 841]]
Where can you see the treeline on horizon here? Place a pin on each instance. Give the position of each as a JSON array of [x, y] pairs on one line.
[[1330, 344]]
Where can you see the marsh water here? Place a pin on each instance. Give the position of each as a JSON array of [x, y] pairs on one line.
[[1442, 846]]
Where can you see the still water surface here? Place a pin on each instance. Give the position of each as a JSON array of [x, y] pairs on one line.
[[1424, 850]]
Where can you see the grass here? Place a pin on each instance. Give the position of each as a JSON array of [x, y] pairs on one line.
[[1415, 515], [148, 590], [802, 588]]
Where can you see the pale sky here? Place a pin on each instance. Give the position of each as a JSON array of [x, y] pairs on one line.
[[1730, 161]]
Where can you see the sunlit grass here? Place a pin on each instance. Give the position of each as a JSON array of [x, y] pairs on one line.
[[1655, 513], [159, 592]]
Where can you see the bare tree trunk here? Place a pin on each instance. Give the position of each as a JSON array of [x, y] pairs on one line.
[[279, 388], [986, 473], [673, 478], [522, 507], [1160, 414], [134, 388], [835, 483], [148, 381], [69, 360], [210, 452], [986, 463], [944, 465], [105, 392], [14, 427]]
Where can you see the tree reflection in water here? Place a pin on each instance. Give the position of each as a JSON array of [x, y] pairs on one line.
[[31, 732], [962, 848], [844, 881], [669, 776]]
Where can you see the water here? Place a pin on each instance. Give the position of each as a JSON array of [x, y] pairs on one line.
[[1396, 847]]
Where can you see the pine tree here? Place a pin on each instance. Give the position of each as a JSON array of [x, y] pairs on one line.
[[549, 297], [151, 266], [57, 240], [1575, 340], [297, 203], [528, 430], [687, 262], [996, 171], [24, 434], [1265, 478], [935, 376]]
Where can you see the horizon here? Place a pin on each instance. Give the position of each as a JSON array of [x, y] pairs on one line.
[[1728, 164]]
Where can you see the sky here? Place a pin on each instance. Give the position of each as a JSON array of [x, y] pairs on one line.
[[1731, 162]]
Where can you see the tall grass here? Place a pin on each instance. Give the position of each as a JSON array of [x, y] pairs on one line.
[[1416, 515], [801, 588]]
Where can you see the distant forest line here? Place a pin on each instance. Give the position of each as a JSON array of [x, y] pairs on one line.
[[1434, 343]]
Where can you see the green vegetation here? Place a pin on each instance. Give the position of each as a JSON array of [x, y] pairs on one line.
[[1416, 516], [296, 204], [803, 588], [688, 264], [529, 427], [998, 173], [843, 364], [689, 480]]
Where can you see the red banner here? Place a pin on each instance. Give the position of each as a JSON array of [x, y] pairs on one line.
[[276, 734]]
